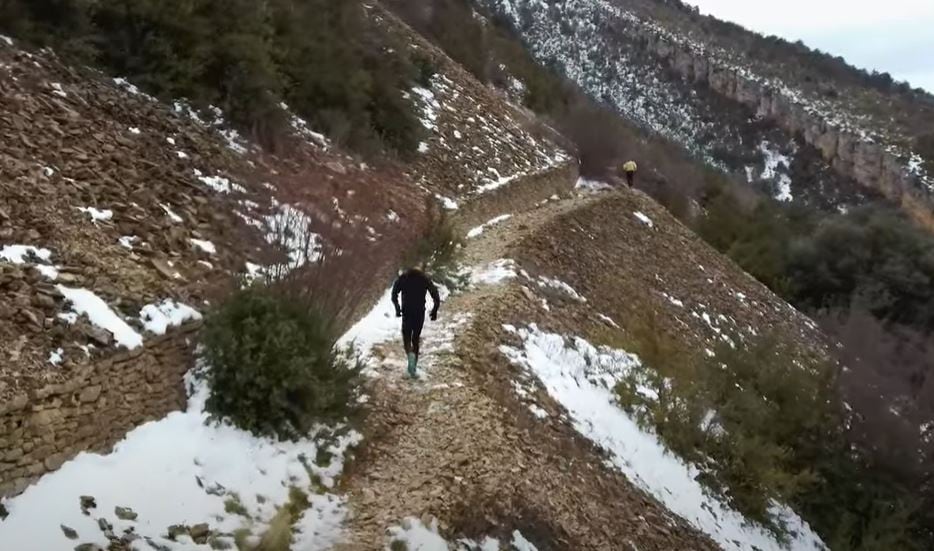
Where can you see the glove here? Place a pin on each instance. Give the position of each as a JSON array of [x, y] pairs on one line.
[[434, 316], [398, 313]]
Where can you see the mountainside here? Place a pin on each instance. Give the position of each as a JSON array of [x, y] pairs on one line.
[[738, 100], [199, 346]]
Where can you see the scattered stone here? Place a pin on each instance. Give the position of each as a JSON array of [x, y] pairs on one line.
[[106, 528], [176, 530], [88, 503], [220, 543], [200, 533], [70, 533], [125, 513], [89, 547]]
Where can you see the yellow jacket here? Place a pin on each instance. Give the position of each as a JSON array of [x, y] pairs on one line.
[[630, 167]]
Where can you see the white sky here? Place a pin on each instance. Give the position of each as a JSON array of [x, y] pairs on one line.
[[894, 36]]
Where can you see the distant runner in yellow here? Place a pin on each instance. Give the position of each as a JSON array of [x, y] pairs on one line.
[[630, 169]]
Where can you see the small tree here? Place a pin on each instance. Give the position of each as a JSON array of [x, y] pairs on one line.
[[273, 366]]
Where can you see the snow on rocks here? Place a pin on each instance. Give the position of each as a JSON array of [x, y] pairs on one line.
[[776, 170], [183, 470], [6, 40], [58, 90], [422, 535], [644, 219], [204, 245], [56, 356], [494, 273], [99, 313], [38, 257], [97, 215], [447, 202], [125, 84], [417, 536], [171, 214], [430, 107], [559, 286], [593, 186], [581, 377], [477, 231], [221, 185], [301, 127], [157, 318], [127, 241]]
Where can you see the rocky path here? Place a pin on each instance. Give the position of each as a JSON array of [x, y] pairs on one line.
[[449, 446]]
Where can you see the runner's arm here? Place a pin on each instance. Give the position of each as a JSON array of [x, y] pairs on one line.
[[396, 287], [435, 298]]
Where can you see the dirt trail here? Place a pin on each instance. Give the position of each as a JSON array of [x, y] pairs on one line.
[[452, 446]]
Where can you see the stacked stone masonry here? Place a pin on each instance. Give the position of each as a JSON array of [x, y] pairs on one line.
[[867, 162], [94, 409]]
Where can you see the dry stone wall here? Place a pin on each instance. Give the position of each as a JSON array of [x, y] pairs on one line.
[[93, 409], [517, 196]]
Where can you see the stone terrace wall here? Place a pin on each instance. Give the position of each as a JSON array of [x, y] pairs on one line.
[[94, 409], [516, 196]]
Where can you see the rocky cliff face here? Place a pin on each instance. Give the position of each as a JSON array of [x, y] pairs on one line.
[[672, 83], [878, 166]]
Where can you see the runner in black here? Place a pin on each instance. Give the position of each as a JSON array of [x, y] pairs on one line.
[[413, 284]]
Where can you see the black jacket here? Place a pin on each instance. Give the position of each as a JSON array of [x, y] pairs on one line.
[[414, 284]]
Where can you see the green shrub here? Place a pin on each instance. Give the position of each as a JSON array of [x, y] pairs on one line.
[[438, 250], [762, 427], [273, 368]]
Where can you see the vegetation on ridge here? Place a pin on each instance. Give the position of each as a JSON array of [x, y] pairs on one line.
[[321, 57]]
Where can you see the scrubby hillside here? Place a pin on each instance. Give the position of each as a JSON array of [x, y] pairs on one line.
[[750, 105]]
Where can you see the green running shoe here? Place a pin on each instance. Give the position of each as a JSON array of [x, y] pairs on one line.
[[412, 361]]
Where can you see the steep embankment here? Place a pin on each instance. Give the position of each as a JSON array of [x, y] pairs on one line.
[[122, 217], [658, 68], [514, 427]]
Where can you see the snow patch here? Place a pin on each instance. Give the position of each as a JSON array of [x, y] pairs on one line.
[[97, 215], [477, 231], [584, 184], [127, 241], [644, 219], [582, 377], [157, 318], [446, 202], [560, 286], [418, 537], [430, 107], [21, 254], [172, 216], [56, 356], [204, 245], [776, 169], [221, 185], [494, 273], [87, 303], [184, 470]]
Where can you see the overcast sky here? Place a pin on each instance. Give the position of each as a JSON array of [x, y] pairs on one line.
[[894, 36]]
